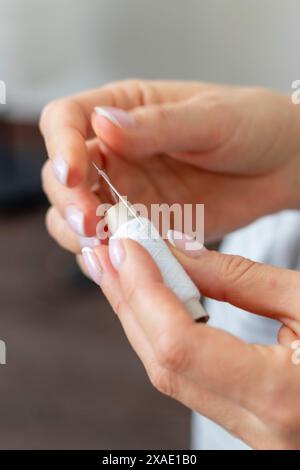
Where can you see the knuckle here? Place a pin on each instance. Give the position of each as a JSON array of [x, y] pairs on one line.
[[220, 107], [148, 93], [133, 83], [127, 83], [143, 91], [236, 268], [164, 114], [118, 307], [222, 114], [161, 381], [59, 107], [170, 351], [47, 112], [122, 92]]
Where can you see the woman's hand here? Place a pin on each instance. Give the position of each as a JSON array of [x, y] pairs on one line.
[[251, 390], [237, 151], [234, 149]]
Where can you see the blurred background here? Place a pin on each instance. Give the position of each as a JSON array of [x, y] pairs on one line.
[[71, 380]]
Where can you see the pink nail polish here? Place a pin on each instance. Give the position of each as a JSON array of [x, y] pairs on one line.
[[92, 264], [61, 169], [186, 243], [116, 116], [75, 219], [116, 252], [90, 242]]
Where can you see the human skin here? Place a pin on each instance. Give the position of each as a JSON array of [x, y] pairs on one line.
[[251, 390], [237, 151], [234, 149]]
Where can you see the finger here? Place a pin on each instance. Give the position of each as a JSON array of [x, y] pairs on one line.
[[286, 336], [96, 156], [255, 287], [82, 266], [109, 282], [65, 130], [192, 125], [201, 353], [64, 236], [187, 392], [77, 205], [65, 123]]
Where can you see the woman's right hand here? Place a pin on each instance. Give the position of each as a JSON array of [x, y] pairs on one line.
[[234, 149], [251, 390]]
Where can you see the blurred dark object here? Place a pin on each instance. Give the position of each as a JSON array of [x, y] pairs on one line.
[[21, 158]]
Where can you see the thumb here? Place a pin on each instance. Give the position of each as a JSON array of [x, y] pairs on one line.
[[255, 287], [188, 126]]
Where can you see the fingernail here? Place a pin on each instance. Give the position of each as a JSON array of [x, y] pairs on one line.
[[75, 219], [92, 264], [186, 243], [91, 242], [61, 169], [116, 116], [116, 252]]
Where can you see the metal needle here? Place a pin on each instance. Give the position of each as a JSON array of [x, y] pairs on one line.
[[115, 191]]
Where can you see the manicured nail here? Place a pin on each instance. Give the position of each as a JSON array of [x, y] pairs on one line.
[[90, 242], [116, 252], [116, 116], [61, 169], [92, 264], [186, 243], [75, 219]]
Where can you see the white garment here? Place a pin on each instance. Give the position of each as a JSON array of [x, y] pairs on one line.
[[274, 240]]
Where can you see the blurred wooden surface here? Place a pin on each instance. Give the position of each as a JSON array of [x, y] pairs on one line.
[[71, 380]]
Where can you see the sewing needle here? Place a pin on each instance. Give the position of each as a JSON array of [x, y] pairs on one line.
[[115, 191]]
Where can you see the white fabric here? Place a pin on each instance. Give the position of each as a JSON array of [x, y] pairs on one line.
[[275, 240]]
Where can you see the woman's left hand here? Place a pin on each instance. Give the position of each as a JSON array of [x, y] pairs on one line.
[[251, 390]]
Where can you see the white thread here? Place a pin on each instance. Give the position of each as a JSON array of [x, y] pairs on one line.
[[173, 274]]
